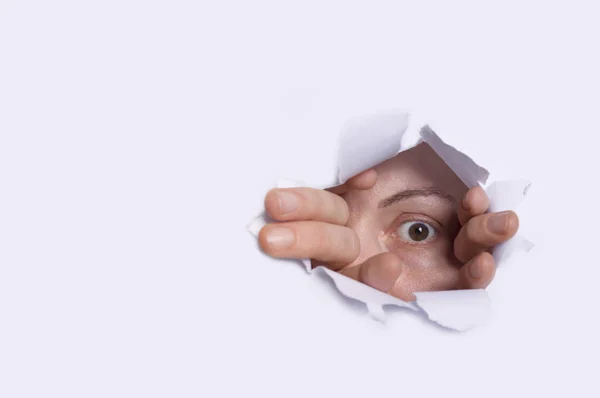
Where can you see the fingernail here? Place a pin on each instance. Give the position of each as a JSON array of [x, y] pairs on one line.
[[498, 223], [280, 238], [288, 202], [475, 270]]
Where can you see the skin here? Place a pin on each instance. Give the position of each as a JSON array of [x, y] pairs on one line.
[[405, 226]]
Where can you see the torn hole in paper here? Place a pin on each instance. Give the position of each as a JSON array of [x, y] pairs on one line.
[[411, 213]]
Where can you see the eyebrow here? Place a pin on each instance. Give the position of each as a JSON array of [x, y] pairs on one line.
[[411, 193]]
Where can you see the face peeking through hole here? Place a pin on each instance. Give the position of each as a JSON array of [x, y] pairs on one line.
[[411, 212], [407, 225]]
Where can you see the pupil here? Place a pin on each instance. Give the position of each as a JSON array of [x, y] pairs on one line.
[[418, 232]]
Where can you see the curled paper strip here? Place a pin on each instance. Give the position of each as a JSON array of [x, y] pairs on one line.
[[369, 141]]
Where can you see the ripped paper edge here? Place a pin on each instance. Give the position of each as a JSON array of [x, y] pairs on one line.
[[384, 135]]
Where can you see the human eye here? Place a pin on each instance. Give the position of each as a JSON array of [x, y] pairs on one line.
[[416, 232]]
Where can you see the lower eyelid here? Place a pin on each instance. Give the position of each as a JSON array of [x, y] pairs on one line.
[[398, 244]]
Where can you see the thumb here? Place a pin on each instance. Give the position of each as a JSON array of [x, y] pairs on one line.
[[381, 272]]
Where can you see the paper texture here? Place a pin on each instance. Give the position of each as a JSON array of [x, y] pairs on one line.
[[368, 141], [456, 309], [507, 195]]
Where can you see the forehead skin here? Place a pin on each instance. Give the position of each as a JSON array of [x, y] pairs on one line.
[[428, 266], [416, 168]]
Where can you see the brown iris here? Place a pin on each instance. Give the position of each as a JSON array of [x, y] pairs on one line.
[[418, 232]]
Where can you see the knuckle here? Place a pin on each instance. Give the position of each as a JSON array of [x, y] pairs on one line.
[[314, 203], [325, 206], [318, 239], [310, 203], [334, 206]]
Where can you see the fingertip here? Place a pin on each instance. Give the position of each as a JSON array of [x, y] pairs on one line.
[[262, 239], [272, 203], [475, 201], [274, 239], [364, 180], [381, 271], [480, 271], [512, 223], [488, 267]]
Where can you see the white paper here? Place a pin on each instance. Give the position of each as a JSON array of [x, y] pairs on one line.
[[507, 195], [466, 169], [369, 141], [456, 309]]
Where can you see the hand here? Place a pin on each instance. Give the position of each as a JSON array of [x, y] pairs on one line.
[[464, 263], [313, 223], [480, 232]]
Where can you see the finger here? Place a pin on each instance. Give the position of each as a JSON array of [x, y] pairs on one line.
[[298, 204], [362, 181], [478, 272], [483, 232], [381, 272], [332, 244], [474, 203]]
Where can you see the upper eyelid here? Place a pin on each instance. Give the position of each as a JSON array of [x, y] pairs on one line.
[[438, 226], [435, 230]]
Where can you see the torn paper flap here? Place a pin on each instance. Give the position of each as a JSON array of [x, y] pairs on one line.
[[463, 166], [504, 196], [369, 141], [374, 299], [365, 142], [507, 195], [256, 225], [456, 309], [505, 250]]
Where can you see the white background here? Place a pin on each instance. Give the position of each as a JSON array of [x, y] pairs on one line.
[[137, 139]]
